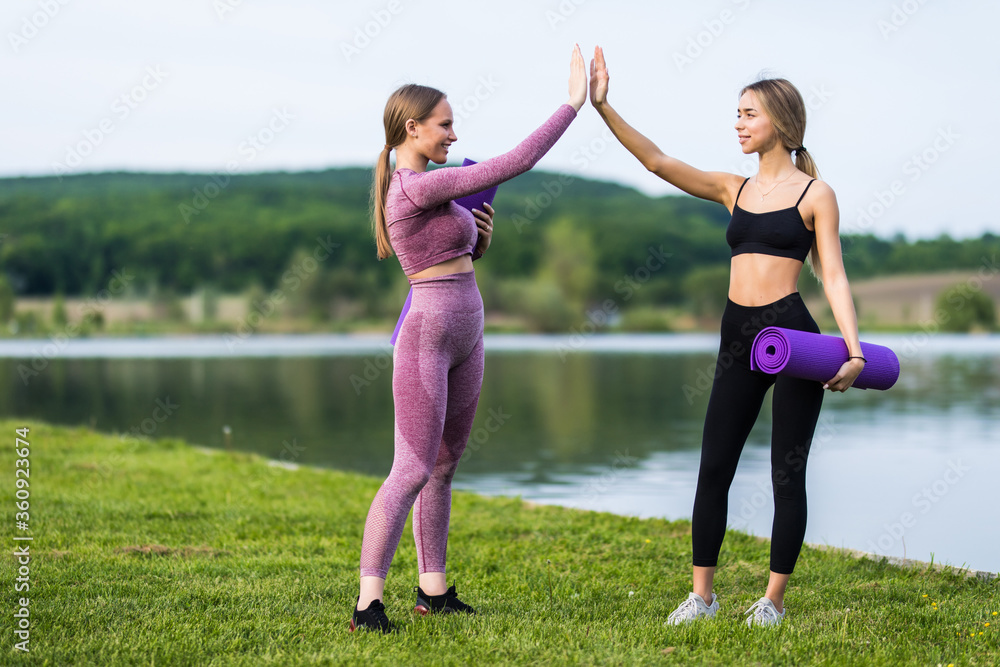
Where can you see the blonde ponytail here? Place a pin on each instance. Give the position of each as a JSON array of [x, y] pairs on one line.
[[783, 104], [407, 102], [805, 163], [380, 189]]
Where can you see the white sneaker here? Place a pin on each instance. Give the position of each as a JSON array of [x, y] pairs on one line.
[[763, 612], [691, 609]]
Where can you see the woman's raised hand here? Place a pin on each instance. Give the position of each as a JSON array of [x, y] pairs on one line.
[[599, 78], [577, 79]]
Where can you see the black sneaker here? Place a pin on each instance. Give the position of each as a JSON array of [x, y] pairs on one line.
[[373, 618], [446, 603]]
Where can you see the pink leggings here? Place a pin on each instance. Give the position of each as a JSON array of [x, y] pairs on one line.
[[437, 375]]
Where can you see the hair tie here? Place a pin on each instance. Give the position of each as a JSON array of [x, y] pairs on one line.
[[388, 147], [800, 149]]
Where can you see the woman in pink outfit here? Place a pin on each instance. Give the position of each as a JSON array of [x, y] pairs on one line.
[[438, 357]]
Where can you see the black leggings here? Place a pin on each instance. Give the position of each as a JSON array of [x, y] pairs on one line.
[[737, 394]]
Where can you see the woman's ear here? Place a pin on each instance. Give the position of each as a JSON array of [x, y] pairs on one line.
[[411, 127]]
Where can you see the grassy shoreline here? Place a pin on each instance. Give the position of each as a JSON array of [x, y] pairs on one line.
[[158, 552]]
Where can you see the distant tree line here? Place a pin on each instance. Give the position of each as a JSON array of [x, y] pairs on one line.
[[562, 246]]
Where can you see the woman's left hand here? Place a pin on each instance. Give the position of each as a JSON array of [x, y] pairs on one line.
[[846, 376], [484, 221]]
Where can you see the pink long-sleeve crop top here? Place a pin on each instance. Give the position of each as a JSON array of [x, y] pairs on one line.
[[426, 227]]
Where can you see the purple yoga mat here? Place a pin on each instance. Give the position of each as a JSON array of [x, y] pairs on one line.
[[470, 202], [476, 200], [811, 356], [402, 316]]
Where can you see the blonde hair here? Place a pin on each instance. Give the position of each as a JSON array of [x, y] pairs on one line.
[[783, 104], [409, 101]]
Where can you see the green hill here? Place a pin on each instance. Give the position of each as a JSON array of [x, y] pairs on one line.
[[561, 245]]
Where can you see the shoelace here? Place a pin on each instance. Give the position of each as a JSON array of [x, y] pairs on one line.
[[451, 600], [447, 600], [687, 606], [763, 612], [377, 611]]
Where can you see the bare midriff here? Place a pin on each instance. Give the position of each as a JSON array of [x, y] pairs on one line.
[[461, 264], [757, 280]]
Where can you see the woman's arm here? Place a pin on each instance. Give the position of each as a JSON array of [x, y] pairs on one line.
[[711, 185], [433, 188], [826, 216]]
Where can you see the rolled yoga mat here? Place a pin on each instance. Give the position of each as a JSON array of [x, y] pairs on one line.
[[470, 202], [810, 356], [476, 200], [402, 316]]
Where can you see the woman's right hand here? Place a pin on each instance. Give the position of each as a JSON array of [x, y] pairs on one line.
[[577, 80], [599, 78]]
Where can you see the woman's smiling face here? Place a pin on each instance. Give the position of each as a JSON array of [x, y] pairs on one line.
[[435, 134], [753, 127]]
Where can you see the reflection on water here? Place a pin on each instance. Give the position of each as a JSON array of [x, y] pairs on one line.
[[603, 428]]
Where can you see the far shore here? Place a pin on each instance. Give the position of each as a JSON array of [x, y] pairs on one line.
[[890, 304]]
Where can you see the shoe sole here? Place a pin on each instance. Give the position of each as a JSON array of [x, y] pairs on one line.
[[353, 628], [423, 610], [689, 620]]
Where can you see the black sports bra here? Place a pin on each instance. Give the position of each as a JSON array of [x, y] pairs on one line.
[[780, 233]]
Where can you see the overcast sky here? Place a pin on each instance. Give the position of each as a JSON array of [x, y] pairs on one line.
[[901, 94]]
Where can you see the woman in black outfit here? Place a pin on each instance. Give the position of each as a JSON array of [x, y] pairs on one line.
[[781, 217]]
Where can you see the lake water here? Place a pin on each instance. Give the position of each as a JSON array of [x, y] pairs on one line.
[[601, 422]]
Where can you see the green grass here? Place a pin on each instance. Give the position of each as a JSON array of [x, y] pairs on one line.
[[159, 553]]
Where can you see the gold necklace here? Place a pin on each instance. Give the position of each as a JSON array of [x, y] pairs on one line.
[[764, 194]]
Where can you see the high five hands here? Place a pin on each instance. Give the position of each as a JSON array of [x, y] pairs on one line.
[[577, 79], [599, 78]]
